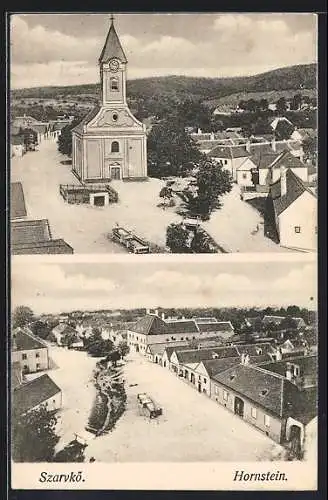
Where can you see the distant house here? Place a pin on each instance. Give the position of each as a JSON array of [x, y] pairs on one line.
[[40, 392], [62, 331], [155, 352], [29, 351], [231, 157], [276, 123], [288, 160], [245, 173], [294, 209], [17, 145], [301, 134], [182, 360]]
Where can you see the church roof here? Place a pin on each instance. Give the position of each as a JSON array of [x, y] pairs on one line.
[[112, 47]]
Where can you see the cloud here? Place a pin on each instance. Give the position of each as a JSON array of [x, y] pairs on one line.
[[297, 280]]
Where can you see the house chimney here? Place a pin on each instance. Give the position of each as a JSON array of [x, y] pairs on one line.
[[199, 131], [289, 373], [242, 358], [273, 144], [279, 354], [283, 181], [248, 146], [163, 316], [156, 312], [147, 310], [212, 136]]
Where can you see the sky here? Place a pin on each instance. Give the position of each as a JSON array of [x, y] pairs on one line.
[[63, 49], [63, 287]]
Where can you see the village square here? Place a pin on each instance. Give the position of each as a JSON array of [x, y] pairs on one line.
[[198, 176]]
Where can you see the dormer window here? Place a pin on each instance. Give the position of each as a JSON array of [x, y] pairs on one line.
[[114, 84], [264, 392]]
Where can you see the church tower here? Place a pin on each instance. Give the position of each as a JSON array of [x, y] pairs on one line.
[[110, 143]]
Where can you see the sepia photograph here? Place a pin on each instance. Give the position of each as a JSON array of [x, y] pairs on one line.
[[163, 133], [164, 362]]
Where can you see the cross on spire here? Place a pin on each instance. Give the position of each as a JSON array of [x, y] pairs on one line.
[[112, 18]]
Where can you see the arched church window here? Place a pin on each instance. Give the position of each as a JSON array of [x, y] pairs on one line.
[[114, 84], [115, 147]]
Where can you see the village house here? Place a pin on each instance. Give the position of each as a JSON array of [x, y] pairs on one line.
[[155, 352], [152, 329], [110, 143], [183, 362], [37, 393], [231, 157], [270, 401], [294, 211], [29, 351], [301, 134], [63, 333]]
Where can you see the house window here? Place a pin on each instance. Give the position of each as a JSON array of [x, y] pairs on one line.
[[254, 412], [266, 421], [216, 390], [54, 401], [226, 162], [38, 366], [297, 229], [25, 367], [205, 380], [24, 356], [114, 84], [225, 395], [37, 354], [296, 371], [115, 147], [244, 176]]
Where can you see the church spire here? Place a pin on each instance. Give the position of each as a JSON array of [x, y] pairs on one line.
[[112, 47]]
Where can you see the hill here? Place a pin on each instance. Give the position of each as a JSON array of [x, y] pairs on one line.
[[290, 78]]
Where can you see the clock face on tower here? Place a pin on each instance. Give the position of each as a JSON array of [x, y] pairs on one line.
[[114, 64]]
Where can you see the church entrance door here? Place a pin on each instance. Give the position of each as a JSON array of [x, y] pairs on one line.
[[115, 173]]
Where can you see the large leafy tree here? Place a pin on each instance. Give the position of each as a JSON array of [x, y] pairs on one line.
[[212, 182], [170, 149], [22, 316], [123, 348], [34, 436], [177, 239], [65, 138]]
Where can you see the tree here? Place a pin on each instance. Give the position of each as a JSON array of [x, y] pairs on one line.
[[40, 329], [288, 323], [177, 238], [263, 104], [212, 182], [22, 316], [296, 102], [34, 436], [113, 357], [123, 348], [99, 348], [65, 138], [309, 145], [201, 243], [281, 105], [73, 452], [169, 149]]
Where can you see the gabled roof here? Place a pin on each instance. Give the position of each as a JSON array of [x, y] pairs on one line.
[[307, 364], [88, 117], [219, 326], [260, 386], [295, 188], [272, 319], [63, 328], [153, 325], [112, 47], [24, 340], [254, 349], [33, 393], [198, 355], [161, 347], [184, 326], [288, 160], [264, 160], [215, 366], [17, 201]]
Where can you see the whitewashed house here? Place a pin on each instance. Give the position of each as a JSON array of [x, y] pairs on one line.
[[295, 212]]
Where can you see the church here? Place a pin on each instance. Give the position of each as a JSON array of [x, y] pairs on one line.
[[110, 143]]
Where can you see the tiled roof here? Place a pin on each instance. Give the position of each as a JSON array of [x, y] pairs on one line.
[[33, 393], [220, 326], [215, 366], [198, 355], [24, 340], [112, 47], [42, 247], [29, 231], [288, 160], [63, 329], [160, 348], [307, 364], [17, 201], [253, 349], [89, 116], [260, 386], [272, 319], [153, 325], [264, 160], [295, 188]]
